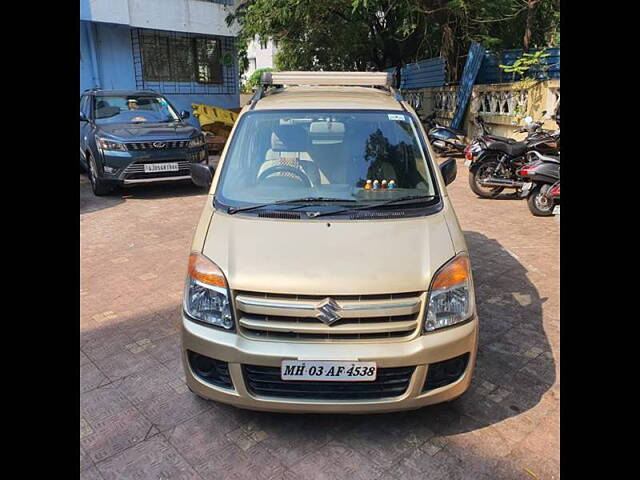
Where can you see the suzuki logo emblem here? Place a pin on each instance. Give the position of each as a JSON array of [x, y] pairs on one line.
[[328, 311], [159, 144]]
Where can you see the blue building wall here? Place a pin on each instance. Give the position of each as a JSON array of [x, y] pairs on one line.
[[115, 68]]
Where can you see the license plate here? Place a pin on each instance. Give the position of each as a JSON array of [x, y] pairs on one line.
[[467, 163], [321, 371], [160, 167], [556, 210], [527, 186]]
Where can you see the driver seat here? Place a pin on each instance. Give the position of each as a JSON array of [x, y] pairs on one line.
[[289, 146]]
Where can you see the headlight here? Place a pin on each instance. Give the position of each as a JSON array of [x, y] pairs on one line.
[[197, 142], [206, 294], [109, 145], [451, 297]]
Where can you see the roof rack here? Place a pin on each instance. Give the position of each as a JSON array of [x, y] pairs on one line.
[[362, 79], [380, 79]]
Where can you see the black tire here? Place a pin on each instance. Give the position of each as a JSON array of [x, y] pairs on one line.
[[539, 204], [98, 185], [477, 172]]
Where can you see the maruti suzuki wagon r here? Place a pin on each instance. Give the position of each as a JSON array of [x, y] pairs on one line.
[[328, 271]]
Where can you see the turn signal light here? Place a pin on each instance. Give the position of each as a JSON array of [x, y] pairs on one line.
[[204, 270], [454, 274]]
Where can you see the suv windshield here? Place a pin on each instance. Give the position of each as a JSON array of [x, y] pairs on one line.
[[350, 155], [133, 109]]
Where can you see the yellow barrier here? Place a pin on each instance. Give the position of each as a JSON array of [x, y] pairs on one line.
[[207, 115]]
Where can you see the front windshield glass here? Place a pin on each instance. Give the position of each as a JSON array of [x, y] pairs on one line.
[[133, 109], [356, 156]]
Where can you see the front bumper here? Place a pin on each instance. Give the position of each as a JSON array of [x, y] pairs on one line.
[[419, 352], [128, 167]]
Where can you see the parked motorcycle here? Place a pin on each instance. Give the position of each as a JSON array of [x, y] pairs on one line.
[[480, 142], [542, 185], [445, 140], [497, 162]]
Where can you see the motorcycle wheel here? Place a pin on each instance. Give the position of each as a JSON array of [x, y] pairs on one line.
[[482, 171], [539, 204]]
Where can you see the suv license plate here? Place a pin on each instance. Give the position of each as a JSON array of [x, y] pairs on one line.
[[320, 371], [160, 167]]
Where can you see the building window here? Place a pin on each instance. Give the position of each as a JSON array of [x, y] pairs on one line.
[[172, 58], [183, 63]]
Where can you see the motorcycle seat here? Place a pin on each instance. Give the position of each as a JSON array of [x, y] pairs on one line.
[[457, 131], [502, 139], [511, 149]]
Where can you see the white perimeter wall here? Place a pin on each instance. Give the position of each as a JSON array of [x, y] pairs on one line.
[[194, 16]]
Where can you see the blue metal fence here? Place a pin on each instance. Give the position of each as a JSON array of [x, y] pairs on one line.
[[471, 67], [424, 73], [490, 71]]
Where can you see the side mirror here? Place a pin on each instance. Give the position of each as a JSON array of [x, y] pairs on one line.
[[201, 174], [184, 114], [83, 117], [449, 170]]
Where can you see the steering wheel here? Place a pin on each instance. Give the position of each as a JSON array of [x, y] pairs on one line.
[[301, 175]]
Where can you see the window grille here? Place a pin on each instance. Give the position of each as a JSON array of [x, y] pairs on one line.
[[183, 63]]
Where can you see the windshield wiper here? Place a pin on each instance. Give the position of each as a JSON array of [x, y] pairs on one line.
[[406, 198], [232, 210]]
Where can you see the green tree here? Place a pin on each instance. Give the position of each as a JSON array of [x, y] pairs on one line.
[[380, 34]]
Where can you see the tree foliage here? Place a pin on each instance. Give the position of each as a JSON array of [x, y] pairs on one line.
[[379, 34], [254, 80]]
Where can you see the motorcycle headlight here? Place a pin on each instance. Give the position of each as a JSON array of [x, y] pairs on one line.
[[197, 142], [110, 145], [206, 293], [451, 296]]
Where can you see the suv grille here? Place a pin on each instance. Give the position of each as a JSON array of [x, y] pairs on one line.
[[354, 317], [167, 145], [266, 382]]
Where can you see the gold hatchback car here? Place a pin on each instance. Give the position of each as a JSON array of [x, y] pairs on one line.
[[328, 271]]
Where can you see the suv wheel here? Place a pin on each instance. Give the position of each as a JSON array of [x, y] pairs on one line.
[[98, 185]]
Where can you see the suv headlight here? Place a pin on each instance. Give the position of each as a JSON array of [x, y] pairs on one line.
[[451, 296], [110, 145], [206, 294], [197, 142]]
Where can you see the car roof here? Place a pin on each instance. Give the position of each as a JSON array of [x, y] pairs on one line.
[[119, 93], [328, 97]]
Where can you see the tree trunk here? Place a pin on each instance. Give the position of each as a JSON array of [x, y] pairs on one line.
[[531, 4]]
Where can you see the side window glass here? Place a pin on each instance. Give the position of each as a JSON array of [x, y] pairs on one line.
[[84, 105]]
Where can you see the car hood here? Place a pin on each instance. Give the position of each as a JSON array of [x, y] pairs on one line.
[[147, 131], [315, 257]]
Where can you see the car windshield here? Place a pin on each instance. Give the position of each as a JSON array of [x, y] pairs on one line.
[[357, 156], [133, 109]]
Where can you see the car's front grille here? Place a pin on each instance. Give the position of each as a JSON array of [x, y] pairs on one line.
[[319, 318], [157, 145], [266, 382]]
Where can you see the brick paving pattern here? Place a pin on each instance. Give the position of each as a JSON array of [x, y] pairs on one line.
[[138, 420]]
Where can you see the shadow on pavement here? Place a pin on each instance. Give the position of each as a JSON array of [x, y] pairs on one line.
[[91, 203]]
